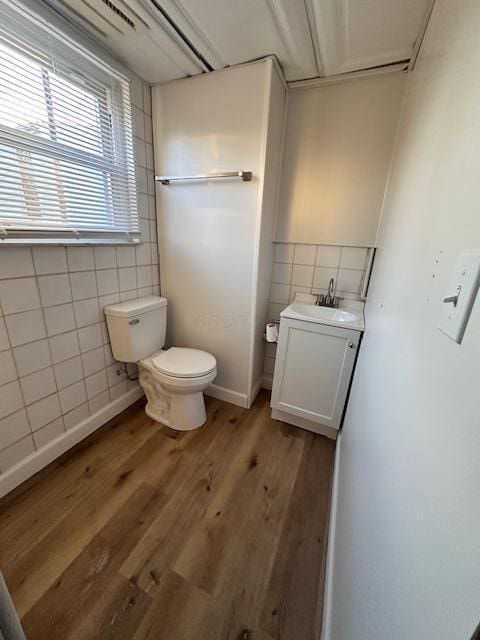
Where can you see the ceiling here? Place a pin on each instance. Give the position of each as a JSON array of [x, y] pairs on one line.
[[166, 39]]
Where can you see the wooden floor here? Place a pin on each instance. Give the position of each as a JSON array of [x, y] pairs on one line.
[[145, 533]]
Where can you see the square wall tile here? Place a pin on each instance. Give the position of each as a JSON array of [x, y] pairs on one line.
[[73, 396], [75, 417], [294, 289], [349, 280], [107, 351], [32, 357], [50, 260], [54, 290], [38, 385], [12, 455], [59, 319], [143, 254], [279, 293], [282, 273], [80, 258], [25, 327], [136, 90], [150, 183], [107, 281], [142, 206], [148, 129], [140, 152], [115, 373], [86, 312], [138, 125], [93, 361], [302, 275], [126, 256], [7, 367], [84, 285], [68, 372], [144, 276], [118, 390], [105, 257], [96, 383], [274, 310], [49, 432], [322, 277], [44, 411], [283, 252], [99, 402], [4, 341], [90, 337], [64, 346], [10, 399], [12, 428], [305, 254], [147, 99], [128, 278], [16, 262], [19, 294], [328, 256], [353, 258]]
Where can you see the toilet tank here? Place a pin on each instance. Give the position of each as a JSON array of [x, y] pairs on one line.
[[137, 327]]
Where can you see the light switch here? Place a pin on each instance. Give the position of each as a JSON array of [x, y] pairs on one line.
[[460, 296]]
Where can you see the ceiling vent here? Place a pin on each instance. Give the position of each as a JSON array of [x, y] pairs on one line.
[[139, 34], [119, 13]]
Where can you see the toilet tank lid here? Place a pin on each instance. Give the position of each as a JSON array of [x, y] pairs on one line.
[[135, 307]]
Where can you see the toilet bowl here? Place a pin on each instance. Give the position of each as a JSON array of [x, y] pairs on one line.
[[173, 379]]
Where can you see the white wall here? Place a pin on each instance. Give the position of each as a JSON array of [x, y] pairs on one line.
[[266, 227], [338, 148], [210, 233], [406, 562], [58, 378]]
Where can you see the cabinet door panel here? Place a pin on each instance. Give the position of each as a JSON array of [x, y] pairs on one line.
[[313, 369]]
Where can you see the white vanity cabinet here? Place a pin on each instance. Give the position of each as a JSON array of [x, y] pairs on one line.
[[313, 369]]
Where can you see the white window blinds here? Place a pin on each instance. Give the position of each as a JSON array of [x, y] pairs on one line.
[[67, 171]]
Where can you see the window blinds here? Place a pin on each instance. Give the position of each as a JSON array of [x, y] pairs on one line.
[[67, 171]]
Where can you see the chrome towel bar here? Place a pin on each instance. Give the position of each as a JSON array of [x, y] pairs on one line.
[[246, 176]]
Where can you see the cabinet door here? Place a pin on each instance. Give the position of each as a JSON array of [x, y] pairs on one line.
[[313, 368]]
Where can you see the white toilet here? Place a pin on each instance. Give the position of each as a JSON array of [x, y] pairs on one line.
[[173, 380]]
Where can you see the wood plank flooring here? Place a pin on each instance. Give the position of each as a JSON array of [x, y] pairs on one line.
[[143, 533]]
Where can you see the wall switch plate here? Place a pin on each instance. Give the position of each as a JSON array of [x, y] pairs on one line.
[[461, 294]]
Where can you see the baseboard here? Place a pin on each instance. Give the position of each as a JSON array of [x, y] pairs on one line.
[[329, 569], [39, 459], [267, 381], [222, 393], [255, 391]]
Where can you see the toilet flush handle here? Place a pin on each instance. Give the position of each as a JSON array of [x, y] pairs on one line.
[[134, 321]]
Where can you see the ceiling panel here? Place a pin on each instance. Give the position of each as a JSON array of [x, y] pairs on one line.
[[166, 39], [138, 34], [229, 32], [359, 34]]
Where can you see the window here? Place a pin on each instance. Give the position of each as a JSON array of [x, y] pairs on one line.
[[66, 157]]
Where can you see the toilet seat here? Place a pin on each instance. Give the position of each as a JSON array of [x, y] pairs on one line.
[[181, 362]]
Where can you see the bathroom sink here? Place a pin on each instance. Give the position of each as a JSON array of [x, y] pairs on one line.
[[347, 317]]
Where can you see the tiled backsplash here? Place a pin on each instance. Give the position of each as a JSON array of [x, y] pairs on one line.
[[307, 268], [56, 365]]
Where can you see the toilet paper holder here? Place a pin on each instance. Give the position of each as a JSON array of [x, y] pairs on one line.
[[271, 331]]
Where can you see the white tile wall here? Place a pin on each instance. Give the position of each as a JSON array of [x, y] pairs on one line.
[[56, 365], [307, 268]]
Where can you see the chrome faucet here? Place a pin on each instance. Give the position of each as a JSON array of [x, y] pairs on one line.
[[328, 300]]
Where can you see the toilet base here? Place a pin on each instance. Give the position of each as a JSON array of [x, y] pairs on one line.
[[177, 409], [187, 412]]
